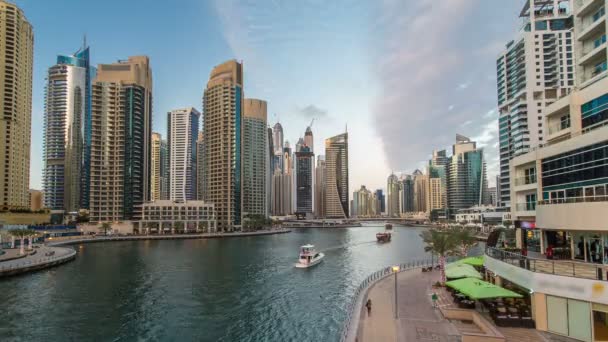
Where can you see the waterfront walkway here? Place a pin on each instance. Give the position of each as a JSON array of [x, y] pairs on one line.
[[39, 258], [418, 320]]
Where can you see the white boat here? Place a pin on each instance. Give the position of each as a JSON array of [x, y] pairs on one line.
[[309, 257]]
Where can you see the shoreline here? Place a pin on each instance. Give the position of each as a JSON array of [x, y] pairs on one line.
[[164, 237], [28, 266]]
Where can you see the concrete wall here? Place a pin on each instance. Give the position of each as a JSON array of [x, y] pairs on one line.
[[490, 333], [584, 216], [539, 310], [125, 227]]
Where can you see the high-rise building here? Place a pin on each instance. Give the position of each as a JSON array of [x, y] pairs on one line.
[[380, 204], [534, 70], [121, 139], [406, 194], [436, 195], [304, 176], [364, 203], [467, 184], [420, 191], [393, 208], [320, 187], [255, 145], [309, 139], [439, 158], [222, 128], [278, 143], [64, 135], [182, 132], [336, 177], [200, 167], [16, 63], [155, 168], [164, 170], [269, 171]]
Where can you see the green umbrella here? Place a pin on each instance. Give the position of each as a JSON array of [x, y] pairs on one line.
[[478, 289], [461, 271], [473, 261]]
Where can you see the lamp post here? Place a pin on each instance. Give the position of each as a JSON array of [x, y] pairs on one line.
[[395, 271]]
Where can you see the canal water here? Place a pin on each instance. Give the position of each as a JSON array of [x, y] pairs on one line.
[[237, 289]]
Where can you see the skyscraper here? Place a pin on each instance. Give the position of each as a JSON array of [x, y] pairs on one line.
[[64, 136], [269, 171], [466, 176], [420, 191], [164, 170], [534, 70], [304, 175], [16, 63], [200, 167], [407, 190], [255, 145], [182, 132], [380, 204], [392, 196], [222, 128], [320, 187], [121, 139], [155, 168], [278, 143], [336, 177], [309, 139]]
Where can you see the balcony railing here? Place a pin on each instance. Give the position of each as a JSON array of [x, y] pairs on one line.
[[581, 199], [525, 180], [530, 206], [565, 268], [559, 126]]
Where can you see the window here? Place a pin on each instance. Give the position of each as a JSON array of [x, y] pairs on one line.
[[599, 41], [597, 15], [596, 110]]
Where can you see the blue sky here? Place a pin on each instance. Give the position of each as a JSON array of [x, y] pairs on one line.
[[405, 76]]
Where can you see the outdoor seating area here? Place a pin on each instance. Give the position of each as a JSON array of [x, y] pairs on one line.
[[510, 312]]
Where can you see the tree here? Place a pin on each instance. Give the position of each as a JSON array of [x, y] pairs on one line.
[[20, 234], [464, 239], [105, 226], [179, 225], [441, 243]]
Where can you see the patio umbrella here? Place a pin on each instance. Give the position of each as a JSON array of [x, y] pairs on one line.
[[473, 261], [478, 289], [461, 271]]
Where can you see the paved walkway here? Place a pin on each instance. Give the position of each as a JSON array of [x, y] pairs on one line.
[[44, 255]]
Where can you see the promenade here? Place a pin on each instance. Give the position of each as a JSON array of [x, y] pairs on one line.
[[44, 256]]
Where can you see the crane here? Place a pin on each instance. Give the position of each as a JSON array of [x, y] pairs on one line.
[[311, 122]]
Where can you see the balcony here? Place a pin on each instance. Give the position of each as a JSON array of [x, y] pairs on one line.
[[525, 209], [592, 29], [558, 130], [594, 55], [588, 6], [574, 213]]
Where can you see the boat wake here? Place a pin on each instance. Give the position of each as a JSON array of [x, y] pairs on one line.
[[348, 245]]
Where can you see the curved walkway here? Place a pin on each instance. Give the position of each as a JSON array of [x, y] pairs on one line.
[[44, 257], [91, 239]]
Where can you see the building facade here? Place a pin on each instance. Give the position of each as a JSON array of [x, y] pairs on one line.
[[534, 70], [200, 167], [170, 217], [121, 139], [155, 168], [222, 128], [393, 194], [304, 178], [255, 145], [336, 177], [36, 200], [320, 187], [182, 133], [164, 170], [381, 202], [16, 65], [420, 191], [406, 194], [365, 203]]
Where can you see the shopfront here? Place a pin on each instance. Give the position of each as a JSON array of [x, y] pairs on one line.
[[569, 317], [560, 243], [530, 236], [591, 247]]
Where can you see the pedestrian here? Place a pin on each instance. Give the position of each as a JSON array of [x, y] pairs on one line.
[[434, 299], [368, 305]]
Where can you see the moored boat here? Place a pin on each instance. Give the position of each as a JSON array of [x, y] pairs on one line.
[[309, 257]]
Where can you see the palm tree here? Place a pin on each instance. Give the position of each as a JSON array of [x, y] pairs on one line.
[[20, 234], [179, 225], [441, 243], [105, 226], [465, 239]]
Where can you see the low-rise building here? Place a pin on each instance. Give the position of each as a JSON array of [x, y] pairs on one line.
[[165, 216], [483, 215]]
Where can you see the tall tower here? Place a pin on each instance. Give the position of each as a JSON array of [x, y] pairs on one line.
[[155, 168], [255, 145], [121, 139], [16, 63], [222, 128], [64, 137], [320, 187], [534, 70], [336, 198], [420, 191], [269, 172], [392, 196], [304, 175], [309, 139], [200, 167], [164, 170], [182, 132], [278, 144]]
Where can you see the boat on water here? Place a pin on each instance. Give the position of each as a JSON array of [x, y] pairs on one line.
[[383, 237], [309, 257], [388, 226]]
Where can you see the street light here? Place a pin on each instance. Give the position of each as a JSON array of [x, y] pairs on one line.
[[396, 270]]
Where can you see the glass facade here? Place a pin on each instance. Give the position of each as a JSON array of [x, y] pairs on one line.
[[133, 99], [595, 111], [466, 180], [237, 152]]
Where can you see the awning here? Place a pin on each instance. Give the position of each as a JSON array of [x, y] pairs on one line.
[[473, 261], [457, 271], [478, 289]]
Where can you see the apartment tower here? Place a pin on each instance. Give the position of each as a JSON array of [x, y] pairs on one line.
[[16, 63], [222, 128], [182, 132], [200, 167], [255, 145], [155, 168], [336, 176]]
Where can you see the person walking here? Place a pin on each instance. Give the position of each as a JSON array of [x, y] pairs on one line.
[[368, 305], [434, 298]]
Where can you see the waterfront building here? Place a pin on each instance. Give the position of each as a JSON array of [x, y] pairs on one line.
[[393, 196], [182, 132], [255, 146], [435, 200], [64, 135], [17, 51], [278, 143], [282, 204], [121, 139], [169, 217], [164, 170], [269, 171], [36, 200], [309, 139], [482, 215], [200, 166], [437, 189], [380, 203], [534, 70], [466, 176], [155, 167], [559, 197], [320, 187], [364, 203], [406, 194], [336, 177], [222, 128], [420, 191], [304, 176], [439, 158]]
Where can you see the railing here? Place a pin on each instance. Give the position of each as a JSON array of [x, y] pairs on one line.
[[556, 267], [600, 198], [525, 180], [354, 307], [559, 126], [37, 262], [530, 206]]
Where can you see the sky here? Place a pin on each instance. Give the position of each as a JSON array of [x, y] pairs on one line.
[[402, 76]]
